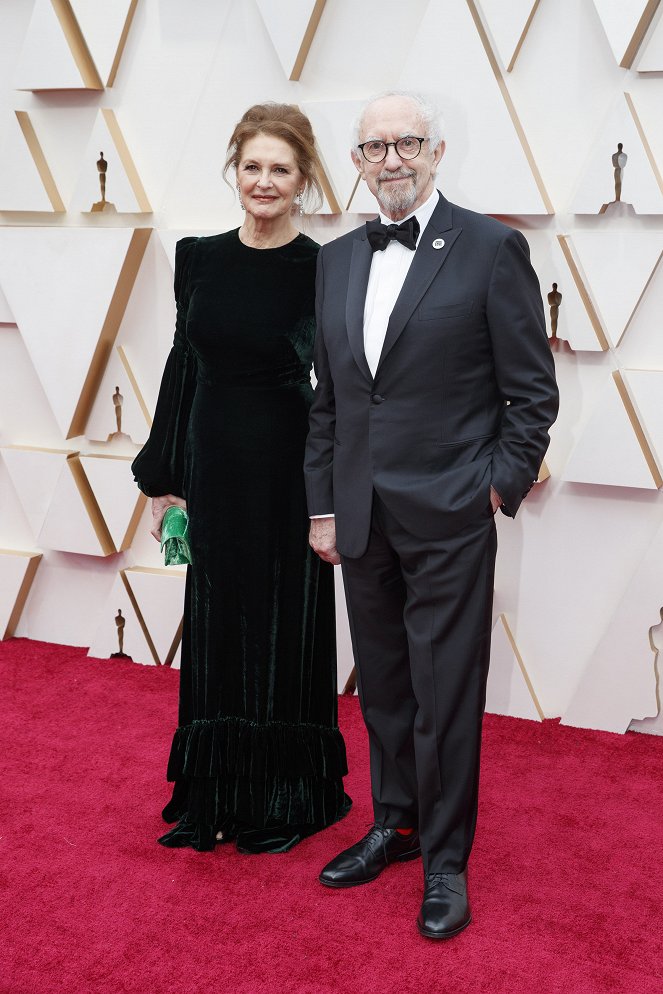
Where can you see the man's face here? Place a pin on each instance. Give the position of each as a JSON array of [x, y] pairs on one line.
[[399, 185]]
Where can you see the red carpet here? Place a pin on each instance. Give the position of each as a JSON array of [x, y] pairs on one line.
[[566, 880]]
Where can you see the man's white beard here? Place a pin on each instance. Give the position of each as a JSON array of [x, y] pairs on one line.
[[397, 199]]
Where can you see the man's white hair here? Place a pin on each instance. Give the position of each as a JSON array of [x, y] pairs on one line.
[[431, 118]]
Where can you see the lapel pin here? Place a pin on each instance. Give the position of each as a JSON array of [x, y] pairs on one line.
[[438, 243]]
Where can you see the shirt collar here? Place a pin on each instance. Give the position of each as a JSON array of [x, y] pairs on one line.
[[423, 213]]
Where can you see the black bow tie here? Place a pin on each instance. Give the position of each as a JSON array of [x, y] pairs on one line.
[[379, 235]]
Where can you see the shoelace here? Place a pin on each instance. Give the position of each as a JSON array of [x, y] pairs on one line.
[[378, 836], [449, 880]]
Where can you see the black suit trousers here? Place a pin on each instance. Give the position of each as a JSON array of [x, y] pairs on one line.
[[420, 618]]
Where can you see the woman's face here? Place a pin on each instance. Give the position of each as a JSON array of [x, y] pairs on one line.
[[268, 177]]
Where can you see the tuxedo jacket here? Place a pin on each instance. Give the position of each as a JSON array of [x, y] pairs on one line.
[[464, 392]]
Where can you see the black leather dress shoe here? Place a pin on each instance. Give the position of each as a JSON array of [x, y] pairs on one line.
[[366, 859], [445, 910]]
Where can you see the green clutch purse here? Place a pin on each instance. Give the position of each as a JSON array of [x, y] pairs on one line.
[[175, 537]]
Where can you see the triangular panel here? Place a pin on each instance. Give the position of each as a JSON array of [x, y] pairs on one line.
[[642, 345], [54, 55], [117, 401], [26, 182], [625, 24], [125, 358], [160, 597], [452, 59], [119, 500], [577, 322], [105, 27], [617, 270], [124, 192], [73, 522], [509, 690], [640, 182], [508, 25], [331, 122], [612, 448], [34, 474], [69, 327], [105, 641], [17, 571], [292, 30]]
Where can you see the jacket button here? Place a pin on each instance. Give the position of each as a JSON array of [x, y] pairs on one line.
[[377, 398]]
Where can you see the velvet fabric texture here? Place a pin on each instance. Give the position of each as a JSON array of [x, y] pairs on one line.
[[257, 752]]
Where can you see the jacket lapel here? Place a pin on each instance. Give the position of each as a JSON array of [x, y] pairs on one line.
[[426, 264], [360, 267]]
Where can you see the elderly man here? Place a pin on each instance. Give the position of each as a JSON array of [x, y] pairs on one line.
[[435, 394]]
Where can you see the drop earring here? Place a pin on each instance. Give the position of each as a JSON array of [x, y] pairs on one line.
[[239, 197], [299, 200]]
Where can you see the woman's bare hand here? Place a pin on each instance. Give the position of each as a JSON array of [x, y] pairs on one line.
[[159, 507]]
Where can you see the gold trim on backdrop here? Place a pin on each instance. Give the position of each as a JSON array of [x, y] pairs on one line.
[[638, 429], [521, 664], [156, 571], [544, 473], [309, 34], [639, 34], [122, 42], [564, 243], [78, 45], [134, 521], [124, 359], [516, 51], [354, 190], [170, 655], [141, 620], [326, 185], [126, 160], [637, 303], [139, 506], [328, 191], [108, 334], [644, 140], [91, 505], [485, 41], [40, 162], [351, 682], [23, 590], [41, 448]]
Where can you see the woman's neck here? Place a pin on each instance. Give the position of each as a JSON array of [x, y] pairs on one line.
[[267, 233]]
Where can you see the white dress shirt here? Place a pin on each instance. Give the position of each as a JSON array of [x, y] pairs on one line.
[[388, 271]]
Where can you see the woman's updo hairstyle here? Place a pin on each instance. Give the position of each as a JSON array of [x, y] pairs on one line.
[[287, 122]]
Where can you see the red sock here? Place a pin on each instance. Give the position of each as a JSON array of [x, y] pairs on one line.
[[405, 831]]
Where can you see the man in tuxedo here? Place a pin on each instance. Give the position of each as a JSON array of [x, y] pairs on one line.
[[435, 394]]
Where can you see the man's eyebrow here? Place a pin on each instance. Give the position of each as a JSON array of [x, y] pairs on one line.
[[379, 138]]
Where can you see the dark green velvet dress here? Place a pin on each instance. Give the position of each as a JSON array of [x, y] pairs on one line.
[[257, 752]]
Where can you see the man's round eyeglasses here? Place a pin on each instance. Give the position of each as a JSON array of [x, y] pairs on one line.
[[407, 147]]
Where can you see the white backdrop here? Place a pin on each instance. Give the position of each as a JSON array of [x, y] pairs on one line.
[[535, 99]]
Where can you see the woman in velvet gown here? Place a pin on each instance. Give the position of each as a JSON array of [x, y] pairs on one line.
[[257, 755]]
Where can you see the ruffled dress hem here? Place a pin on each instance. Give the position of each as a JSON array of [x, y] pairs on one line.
[[245, 778]]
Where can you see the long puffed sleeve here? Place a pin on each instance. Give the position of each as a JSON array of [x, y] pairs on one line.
[[159, 466]]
